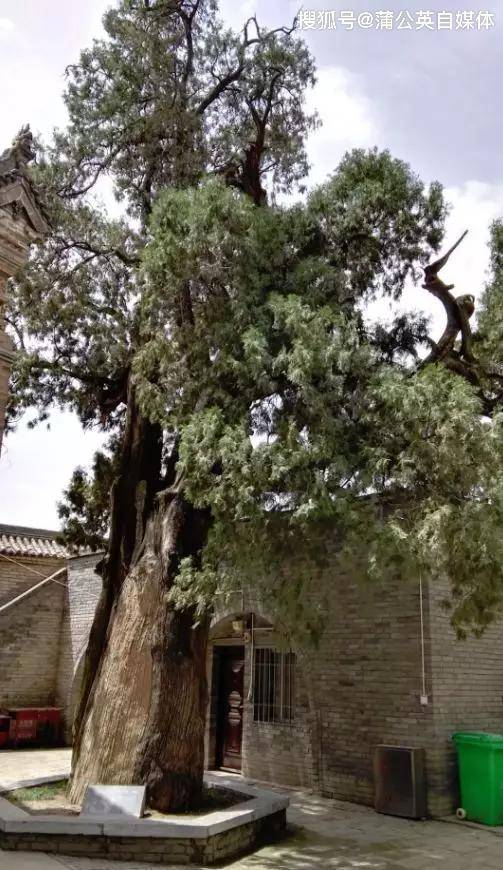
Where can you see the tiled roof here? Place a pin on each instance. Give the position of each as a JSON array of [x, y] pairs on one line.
[[20, 541]]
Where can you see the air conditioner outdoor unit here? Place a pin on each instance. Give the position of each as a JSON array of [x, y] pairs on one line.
[[400, 782]]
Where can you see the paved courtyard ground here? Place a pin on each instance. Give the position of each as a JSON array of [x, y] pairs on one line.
[[327, 834], [25, 764]]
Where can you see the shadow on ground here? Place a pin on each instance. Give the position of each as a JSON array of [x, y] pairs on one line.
[[299, 849]]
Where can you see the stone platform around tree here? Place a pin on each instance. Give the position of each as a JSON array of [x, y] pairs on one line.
[[205, 839]]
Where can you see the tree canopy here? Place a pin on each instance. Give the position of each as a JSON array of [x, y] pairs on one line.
[[167, 96], [288, 403], [241, 323]]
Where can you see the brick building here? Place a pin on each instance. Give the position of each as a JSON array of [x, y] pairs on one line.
[[47, 604], [388, 670]]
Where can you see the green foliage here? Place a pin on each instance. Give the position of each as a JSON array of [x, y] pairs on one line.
[[74, 314], [85, 507], [242, 331], [171, 93], [489, 337], [375, 212], [294, 416], [168, 95]]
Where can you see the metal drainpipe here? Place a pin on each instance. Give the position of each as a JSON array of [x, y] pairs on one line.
[[252, 649], [424, 696]]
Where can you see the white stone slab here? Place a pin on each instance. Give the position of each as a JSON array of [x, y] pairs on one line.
[[115, 800], [266, 808]]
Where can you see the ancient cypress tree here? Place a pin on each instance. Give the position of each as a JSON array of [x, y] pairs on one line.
[[168, 95], [223, 343]]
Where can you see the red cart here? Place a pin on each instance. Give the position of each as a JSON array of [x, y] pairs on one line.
[[49, 726], [4, 730], [23, 725]]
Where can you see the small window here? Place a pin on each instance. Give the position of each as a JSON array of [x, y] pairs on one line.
[[274, 686]]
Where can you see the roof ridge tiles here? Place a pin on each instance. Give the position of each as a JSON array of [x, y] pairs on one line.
[[25, 541]]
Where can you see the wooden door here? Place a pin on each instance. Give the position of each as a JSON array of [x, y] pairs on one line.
[[231, 706]]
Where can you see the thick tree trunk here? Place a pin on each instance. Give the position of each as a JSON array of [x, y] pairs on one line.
[[132, 500], [145, 723], [142, 714]]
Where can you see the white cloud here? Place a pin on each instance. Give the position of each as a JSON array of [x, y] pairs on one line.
[[36, 465], [235, 14], [8, 32], [349, 119], [7, 27], [474, 206]]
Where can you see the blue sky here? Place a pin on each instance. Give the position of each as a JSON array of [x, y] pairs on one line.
[[431, 97]]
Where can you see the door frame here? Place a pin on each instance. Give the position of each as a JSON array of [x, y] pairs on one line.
[[221, 654]]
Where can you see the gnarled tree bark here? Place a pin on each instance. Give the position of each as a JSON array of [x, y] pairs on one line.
[[458, 311], [461, 359], [142, 712]]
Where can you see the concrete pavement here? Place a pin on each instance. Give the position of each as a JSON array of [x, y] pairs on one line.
[[19, 765], [325, 834]]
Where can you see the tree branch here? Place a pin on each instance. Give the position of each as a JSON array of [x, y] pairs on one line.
[[234, 75], [16, 329], [458, 312], [90, 248]]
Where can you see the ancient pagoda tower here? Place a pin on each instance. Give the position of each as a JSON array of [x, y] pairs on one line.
[[22, 222]]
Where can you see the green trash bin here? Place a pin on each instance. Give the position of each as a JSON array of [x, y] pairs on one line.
[[480, 761]]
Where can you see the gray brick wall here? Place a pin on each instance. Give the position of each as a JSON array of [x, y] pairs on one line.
[[285, 753], [43, 637], [467, 693], [369, 683], [30, 633], [83, 592], [362, 687]]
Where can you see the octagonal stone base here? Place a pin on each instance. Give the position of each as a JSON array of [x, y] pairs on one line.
[[207, 839]]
